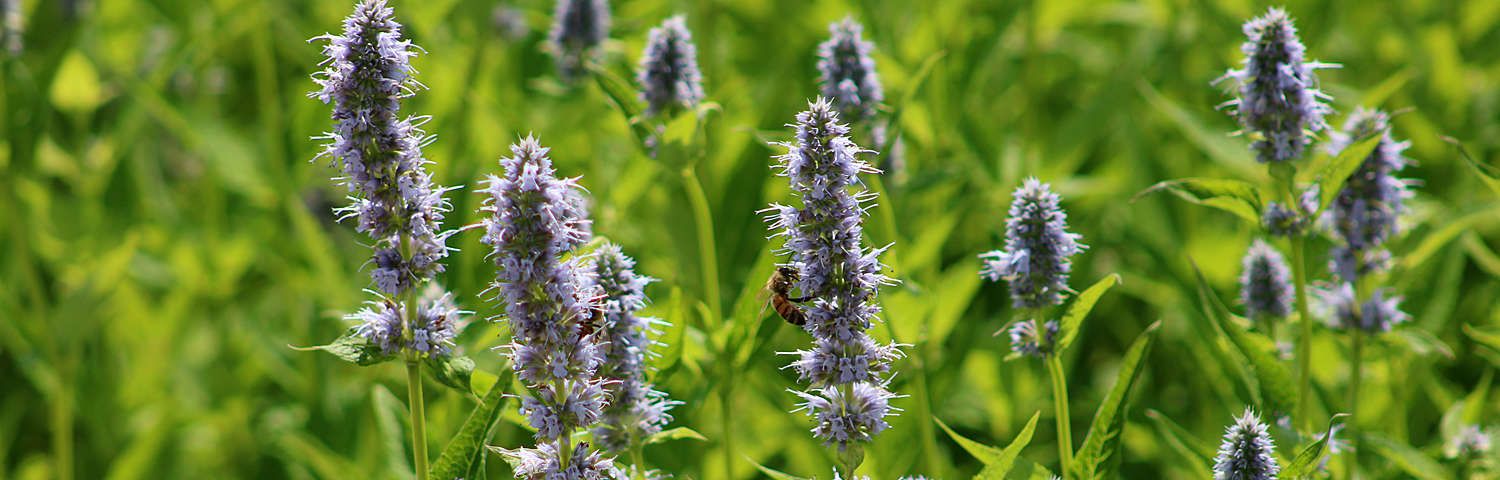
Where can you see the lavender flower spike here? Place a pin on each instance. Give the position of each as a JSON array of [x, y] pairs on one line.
[[578, 26], [669, 75], [1266, 283], [1364, 213], [367, 74], [637, 410], [533, 219], [1026, 339], [1375, 315], [1246, 453], [847, 73], [824, 238], [432, 330], [1279, 102], [1037, 248]]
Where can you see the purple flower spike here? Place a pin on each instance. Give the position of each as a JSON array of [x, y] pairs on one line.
[[839, 274], [1036, 260], [1278, 103], [668, 74], [367, 73]]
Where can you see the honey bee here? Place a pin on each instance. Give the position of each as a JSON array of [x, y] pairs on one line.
[[780, 288]]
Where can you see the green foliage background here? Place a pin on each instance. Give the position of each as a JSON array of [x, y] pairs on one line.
[[164, 235]]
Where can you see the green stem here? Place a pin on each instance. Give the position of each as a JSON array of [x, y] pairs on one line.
[[1304, 340], [418, 424], [637, 456], [1060, 398], [62, 422], [924, 406], [728, 435], [1355, 377], [707, 252]]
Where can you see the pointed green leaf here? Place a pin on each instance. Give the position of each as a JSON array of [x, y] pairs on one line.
[[388, 414], [1405, 457], [1336, 174], [354, 349], [674, 434], [1271, 377], [985, 453], [1307, 461], [1101, 454], [1026, 469], [1487, 339], [778, 475], [1422, 342], [1198, 454], [1002, 466], [455, 372], [1234, 196], [623, 95], [463, 451], [1080, 309]]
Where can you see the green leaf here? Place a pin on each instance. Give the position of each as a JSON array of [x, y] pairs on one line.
[[1405, 457], [1026, 469], [1198, 454], [985, 453], [1487, 174], [1234, 196], [623, 95], [776, 474], [354, 349], [455, 372], [1080, 308], [1002, 466], [1306, 462], [1487, 339], [388, 414], [463, 452], [674, 434], [1101, 454], [1423, 342], [1271, 377], [1336, 174]]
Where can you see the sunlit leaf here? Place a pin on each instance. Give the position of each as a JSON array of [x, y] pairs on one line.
[[985, 453], [463, 451], [354, 349], [1234, 196], [1272, 378], [1003, 465], [1102, 452], [455, 372], [674, 434], [1337, 172], [776, 474], [1306, 461], [1082, 305]]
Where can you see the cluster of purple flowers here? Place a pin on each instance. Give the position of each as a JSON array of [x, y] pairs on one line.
[[533, 220], [668, 74], [394, 200], [636, 410], [578, 26], [847, 73], [842, 276], [1266, 283], [1279, 102], [1363, 216], [432, 330], [1247, 452], [1038, 248]]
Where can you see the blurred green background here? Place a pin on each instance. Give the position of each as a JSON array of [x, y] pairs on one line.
[[164, 234]]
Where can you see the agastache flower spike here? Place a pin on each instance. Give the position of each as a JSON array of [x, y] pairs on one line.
[[1247, 451], [1026, 339], [533, 219], [669, 75], [578, 26], [847, 73], [825, 240], [1364, 213], [432, 330], [367, 74], [637, 411], [1375, 315], [1037, 248], [1265, 283], [1279, 102]]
